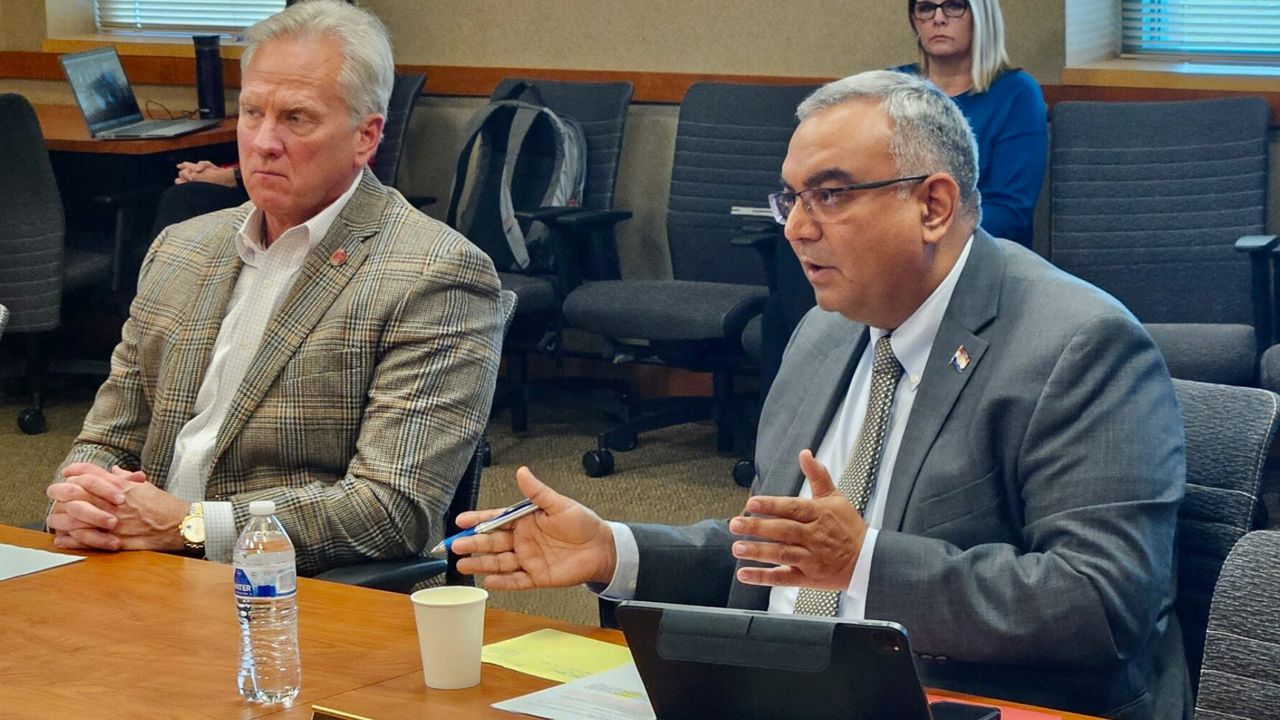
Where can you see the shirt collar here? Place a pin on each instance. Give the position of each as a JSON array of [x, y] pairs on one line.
[[249, 238], [913, 339]]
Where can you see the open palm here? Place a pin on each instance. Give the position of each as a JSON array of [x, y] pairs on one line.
[[564, 544]]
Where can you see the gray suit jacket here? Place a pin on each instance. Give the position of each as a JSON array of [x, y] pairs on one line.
[[363, 403], [1027, 543]]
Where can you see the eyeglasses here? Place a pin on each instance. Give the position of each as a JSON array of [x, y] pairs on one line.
[[950, 8], [825, 205]]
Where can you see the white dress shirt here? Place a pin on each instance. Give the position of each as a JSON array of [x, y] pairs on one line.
[[264, 282], [911, 342]]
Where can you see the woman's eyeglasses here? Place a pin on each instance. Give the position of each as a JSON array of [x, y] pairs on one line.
[[950, 8]]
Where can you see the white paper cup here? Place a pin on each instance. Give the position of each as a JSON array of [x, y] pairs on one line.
[[450, 634]]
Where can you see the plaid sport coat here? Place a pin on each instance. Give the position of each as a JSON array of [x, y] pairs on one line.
[[362, 405]]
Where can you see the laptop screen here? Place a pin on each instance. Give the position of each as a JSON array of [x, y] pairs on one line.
[[101, 89]]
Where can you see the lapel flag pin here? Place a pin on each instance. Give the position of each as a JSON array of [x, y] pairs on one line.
[[960, 360], [338, 257]]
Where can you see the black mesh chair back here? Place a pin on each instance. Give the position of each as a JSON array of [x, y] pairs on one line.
[[31, 222], [730, 143], [1241, 677], [404, 97], [1229, 433], [1148, 201]]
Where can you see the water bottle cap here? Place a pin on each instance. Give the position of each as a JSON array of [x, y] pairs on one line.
[[262, 507]]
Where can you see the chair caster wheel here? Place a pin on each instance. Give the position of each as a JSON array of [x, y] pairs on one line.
[[627, 444], [744, 473], [597, 463], [31, 421]]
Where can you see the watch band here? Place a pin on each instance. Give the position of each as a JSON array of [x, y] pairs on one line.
[[191, 529]]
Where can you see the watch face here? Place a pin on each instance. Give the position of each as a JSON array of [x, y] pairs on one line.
[[192, 529]]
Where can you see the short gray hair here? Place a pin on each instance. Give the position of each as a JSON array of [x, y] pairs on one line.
[[930, 134], [368, 70]]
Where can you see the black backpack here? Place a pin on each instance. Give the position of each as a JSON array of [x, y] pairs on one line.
[[518, 156]]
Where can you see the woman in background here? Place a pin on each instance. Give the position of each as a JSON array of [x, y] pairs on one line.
[[962, 51]]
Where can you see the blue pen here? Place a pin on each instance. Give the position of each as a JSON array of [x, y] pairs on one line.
[[507, 516]]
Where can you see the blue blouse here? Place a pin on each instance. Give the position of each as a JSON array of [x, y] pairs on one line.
[[1010, 122]]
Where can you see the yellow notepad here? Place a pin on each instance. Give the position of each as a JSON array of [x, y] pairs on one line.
[[555, 655]]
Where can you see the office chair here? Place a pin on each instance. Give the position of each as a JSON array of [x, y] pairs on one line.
[[1164, 206], [1240, 679], [730, 143], [1229, 431], [38, 263], [405, 574], [404, 98], [582, 237]]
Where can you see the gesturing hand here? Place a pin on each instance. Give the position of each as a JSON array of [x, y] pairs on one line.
[[813, 543], [564, 543]]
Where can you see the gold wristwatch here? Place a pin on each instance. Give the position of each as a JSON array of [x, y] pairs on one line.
[[192, 530]]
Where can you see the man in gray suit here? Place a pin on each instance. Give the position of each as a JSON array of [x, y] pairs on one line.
[[1017, 437]]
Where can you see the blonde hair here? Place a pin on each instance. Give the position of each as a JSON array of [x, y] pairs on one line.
[[987, 51]]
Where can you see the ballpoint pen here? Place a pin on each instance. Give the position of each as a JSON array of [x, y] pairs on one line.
[[507, 516]]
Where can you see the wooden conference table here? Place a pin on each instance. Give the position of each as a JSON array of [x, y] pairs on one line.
[[64, 131], [151, 635]]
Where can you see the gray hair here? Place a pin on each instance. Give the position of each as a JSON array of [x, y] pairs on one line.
[[368, 71], [930, 134], [986, 50]]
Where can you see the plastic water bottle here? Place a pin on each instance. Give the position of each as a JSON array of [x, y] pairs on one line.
[[266, 579]]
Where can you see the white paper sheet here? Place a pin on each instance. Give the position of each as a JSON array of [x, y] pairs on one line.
[[616, 694], [16, 561]]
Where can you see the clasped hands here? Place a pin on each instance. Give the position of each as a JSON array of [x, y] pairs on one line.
[[803, 542], [114, 509]]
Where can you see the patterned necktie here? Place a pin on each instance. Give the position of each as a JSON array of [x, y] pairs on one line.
[[859, 474]]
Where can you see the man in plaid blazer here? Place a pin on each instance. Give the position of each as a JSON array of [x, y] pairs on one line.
[[325, 346]]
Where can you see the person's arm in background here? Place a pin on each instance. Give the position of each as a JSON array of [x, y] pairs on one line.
[[206, 172], [1013, 138]]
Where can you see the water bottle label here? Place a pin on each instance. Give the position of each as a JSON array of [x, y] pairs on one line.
[[266, 582]]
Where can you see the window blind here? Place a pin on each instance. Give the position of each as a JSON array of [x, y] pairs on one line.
[[182, 16], [1225, 29], [1207, 28]]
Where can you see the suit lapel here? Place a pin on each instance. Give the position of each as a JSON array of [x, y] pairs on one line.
[[318, 284], [185, 366], [973, 305]]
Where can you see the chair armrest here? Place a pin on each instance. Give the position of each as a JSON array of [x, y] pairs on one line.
[[764, 239], [589, 219], [546, 214], [1262, 251], [574, 218], [393, 575], [1256, 243]]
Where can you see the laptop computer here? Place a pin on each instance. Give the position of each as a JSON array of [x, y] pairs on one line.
[[699, 662], [107, 101]]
